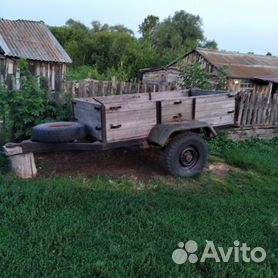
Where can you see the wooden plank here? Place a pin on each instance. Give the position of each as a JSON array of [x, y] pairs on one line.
[[130, 116], [157, 96], [113, 125], [225, 104], [86, 100], [131, 133], [138, 89], [101, 88], [219, 120], [255, 110], [120, 88], [216, 112], [246, 109], [250, 109], [264, 111], [122, 98], [91, 89], [172, 110], [275, 111], [183, 105], [177, 102], [241, 100], [176, 117], [117, 107], [88, 113], [214, 98]]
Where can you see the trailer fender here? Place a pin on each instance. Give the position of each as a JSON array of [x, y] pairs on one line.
[[162, 132]]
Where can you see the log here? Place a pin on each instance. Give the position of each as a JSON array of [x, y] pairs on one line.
[[23, 164]]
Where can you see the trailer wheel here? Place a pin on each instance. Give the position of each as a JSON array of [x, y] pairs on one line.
[[186, 155], [58, 132]]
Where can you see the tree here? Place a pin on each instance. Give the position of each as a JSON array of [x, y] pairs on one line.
[[208, 44], [103, 50], [148, 25], [122, 29], [194, 76], [222, 81], [178, 34]]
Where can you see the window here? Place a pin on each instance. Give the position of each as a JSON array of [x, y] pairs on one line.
[[246, 84]]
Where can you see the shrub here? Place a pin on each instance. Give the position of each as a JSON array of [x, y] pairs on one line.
[[21, 109], [194, 76]]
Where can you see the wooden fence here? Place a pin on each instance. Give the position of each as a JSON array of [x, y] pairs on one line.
[[256, 109], [89, 87], [253, 109]]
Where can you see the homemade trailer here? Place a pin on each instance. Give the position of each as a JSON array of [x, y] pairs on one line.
[[175, 121]]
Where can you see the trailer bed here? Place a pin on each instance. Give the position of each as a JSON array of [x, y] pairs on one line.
[[110, 119]]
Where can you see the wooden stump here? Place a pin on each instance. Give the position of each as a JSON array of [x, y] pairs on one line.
[[23, 164]]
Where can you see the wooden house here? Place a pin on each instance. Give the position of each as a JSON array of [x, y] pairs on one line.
[[245, 72], [34, 42]]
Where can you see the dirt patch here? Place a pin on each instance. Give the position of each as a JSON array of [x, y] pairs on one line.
[[220, 168], [135, 164]]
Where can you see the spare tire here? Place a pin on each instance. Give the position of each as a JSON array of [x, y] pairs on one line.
[[58, 132]]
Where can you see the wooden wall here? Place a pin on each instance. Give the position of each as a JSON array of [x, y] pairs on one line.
[[193, 56], [161, 76], [171, 73], [53, 72], [234, 85]]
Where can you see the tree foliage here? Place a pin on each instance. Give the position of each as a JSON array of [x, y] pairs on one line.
[[148, 25], [106, 49], [194, 76]]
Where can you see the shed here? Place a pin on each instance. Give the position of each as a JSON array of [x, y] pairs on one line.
[[244, 71], [33, 41]]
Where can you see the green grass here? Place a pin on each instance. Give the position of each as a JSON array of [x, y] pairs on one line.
[[61, 227]]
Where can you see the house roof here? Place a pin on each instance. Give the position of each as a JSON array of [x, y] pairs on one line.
[[239, 65], [30, 40]]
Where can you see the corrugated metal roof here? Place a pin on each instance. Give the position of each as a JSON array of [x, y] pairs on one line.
[[30, 40], [268, 79], [239, 65]]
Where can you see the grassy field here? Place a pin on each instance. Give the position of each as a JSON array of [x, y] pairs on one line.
[[103, 227]]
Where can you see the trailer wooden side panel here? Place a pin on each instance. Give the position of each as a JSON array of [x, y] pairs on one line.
[[176, 110], [129, 120], [216, 110], [89, 114]]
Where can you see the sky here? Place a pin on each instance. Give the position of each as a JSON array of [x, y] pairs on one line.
[[236, 25]]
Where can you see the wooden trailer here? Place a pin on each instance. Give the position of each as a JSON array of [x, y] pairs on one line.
[[125, 117], [174, 121]]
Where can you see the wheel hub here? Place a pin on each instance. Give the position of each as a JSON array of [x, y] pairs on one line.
[[189, 157]]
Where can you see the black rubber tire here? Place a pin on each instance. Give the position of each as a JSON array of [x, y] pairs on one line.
[[58, 132], [175, 149]]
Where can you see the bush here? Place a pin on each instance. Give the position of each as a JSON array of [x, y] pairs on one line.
[[26, 107], [83, 72], [196, 76]]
